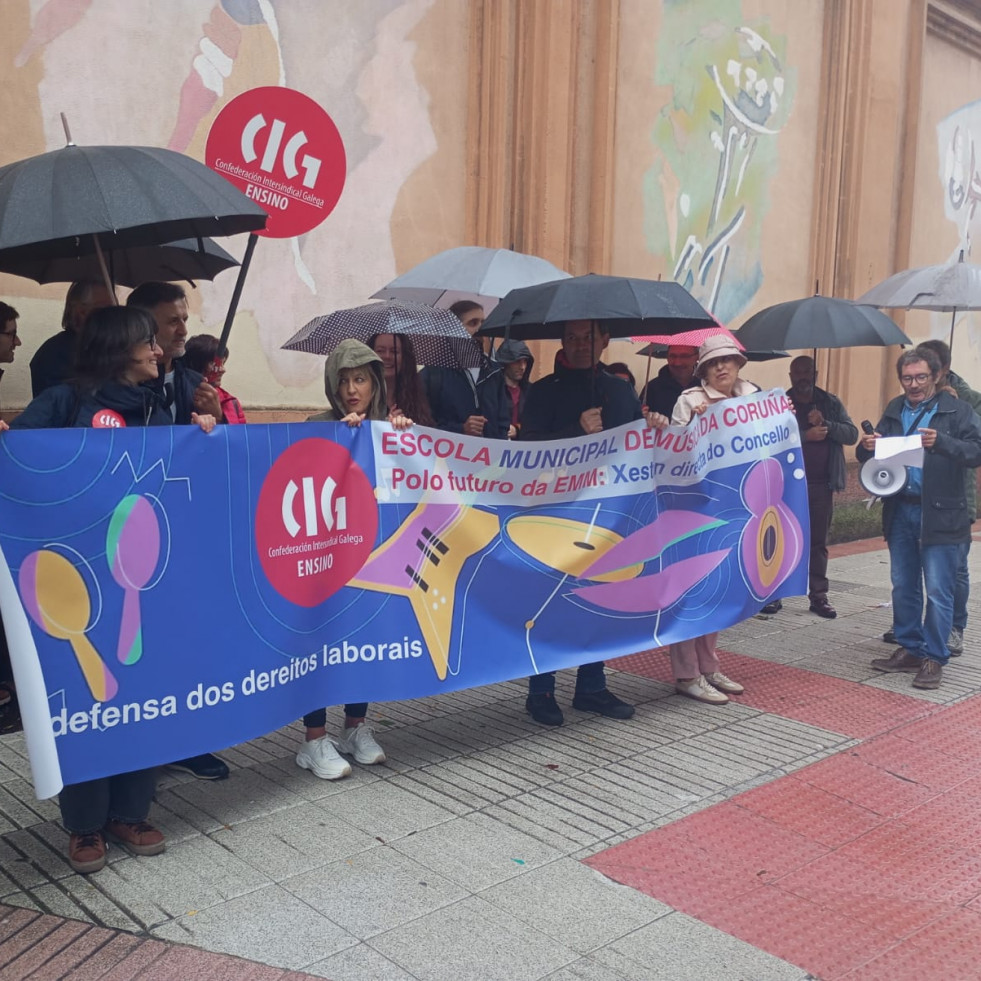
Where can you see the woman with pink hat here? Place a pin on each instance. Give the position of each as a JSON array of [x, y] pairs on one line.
[[694, 662]]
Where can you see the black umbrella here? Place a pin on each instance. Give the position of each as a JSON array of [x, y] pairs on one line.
[[78, 200], [438, 337], [624, 306], [186, 260], [818, 321]]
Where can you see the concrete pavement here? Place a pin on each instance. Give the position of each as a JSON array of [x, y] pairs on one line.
[[693, 841]]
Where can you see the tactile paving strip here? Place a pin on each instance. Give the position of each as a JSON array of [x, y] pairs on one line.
[[863, 866], [854, 710]]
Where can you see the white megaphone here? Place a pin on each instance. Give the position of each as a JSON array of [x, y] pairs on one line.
[[882, 478]]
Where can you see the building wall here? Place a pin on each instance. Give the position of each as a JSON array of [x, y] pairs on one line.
[[752, 149]]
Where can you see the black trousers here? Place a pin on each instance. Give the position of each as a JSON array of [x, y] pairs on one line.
[[86, 807], [820, 502]]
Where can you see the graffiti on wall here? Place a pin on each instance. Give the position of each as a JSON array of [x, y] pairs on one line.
[[184, 60], [731, 94], [959, 152]]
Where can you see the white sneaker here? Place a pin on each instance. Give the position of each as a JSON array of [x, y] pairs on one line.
[[718, 680], [359, 741], [320, 756], [699, 689]]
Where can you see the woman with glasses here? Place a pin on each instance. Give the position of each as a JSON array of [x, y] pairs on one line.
[[117, 353]]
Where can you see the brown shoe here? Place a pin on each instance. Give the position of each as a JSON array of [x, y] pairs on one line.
[[87, 853], [930, 674], [901, 660], [139, 838]]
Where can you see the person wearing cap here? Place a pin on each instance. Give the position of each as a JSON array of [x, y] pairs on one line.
[[695, 663]]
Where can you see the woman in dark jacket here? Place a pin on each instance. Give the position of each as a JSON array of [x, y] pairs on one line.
[[117, 352]]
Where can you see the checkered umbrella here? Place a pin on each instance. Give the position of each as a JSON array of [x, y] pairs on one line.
[[438, 337]]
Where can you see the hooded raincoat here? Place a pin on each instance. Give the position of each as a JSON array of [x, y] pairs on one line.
[[352, 354]]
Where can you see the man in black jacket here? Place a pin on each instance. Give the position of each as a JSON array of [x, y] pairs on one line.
[[678, 374], [577, 399], [927, 523], [825, 428], [184, 391]]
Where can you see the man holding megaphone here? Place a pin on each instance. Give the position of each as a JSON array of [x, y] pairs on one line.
[[926, 523]]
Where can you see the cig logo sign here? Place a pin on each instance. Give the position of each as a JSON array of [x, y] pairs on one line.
[[333, 512], [311, 165], [315, 521]]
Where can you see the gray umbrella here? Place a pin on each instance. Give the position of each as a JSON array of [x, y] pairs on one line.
[[949, 287], [486, 273], [438, 337], [184, 261], [818, 321], [77, 200]]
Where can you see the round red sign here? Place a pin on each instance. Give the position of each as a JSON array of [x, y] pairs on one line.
[[280, 148], [315, 522], [108, 419]]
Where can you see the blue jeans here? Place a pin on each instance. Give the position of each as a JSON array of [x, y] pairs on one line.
[[911, 566], [590, 678], [962, 589]]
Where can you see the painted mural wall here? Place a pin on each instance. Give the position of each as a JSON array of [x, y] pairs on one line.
[[947, 201], [146, 72]]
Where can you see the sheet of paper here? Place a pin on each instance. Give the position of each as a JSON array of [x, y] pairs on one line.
[[905, 450]]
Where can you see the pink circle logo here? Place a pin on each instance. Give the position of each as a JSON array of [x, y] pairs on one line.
[[107, 419], [282, 150], [315, 522]]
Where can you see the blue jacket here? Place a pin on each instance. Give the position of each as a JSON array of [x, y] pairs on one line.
[[65, 407]]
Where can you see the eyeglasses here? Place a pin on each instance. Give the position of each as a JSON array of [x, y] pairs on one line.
[[8, 333], [915, 379]]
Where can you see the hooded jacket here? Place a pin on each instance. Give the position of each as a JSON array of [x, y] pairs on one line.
[[65, 407], [496, 397], [352, 354], [185, 384]]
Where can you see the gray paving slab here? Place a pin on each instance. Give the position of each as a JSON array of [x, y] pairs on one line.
[[375, 891], [575, 905], [476, 851], [311, 838], [270, 925], [361, 963], [680, 948], [473, 940]]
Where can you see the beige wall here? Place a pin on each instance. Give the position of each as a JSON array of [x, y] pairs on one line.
[[580, 130], [393, 76]]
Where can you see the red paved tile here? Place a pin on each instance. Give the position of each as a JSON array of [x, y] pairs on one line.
[[809, 811], [866, 865], [946, 950], [848, 776], [35, 957], [87, 957], [824, 942], [859, 711]]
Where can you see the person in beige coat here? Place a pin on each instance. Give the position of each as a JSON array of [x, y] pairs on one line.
[[694, 662]]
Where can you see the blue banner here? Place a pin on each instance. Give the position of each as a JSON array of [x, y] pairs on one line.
[[167, 592]]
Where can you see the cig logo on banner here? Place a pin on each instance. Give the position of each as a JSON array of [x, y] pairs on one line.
[[316, 521]]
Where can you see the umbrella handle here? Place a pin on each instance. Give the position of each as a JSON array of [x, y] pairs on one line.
[[105, 270], [237, 293]]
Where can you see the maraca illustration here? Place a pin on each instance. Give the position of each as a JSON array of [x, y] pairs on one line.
[[132, 551], [57, 600]]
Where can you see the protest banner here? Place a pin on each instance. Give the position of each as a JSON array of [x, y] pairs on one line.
[[167, 592]]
